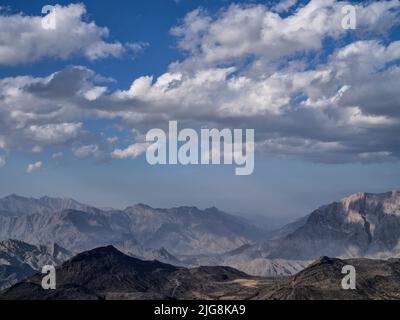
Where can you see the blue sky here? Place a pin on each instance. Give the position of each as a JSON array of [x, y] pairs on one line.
[[323, 130]]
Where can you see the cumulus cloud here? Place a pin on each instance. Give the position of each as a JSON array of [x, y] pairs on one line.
[[239, 32], [45, 111], [131, 152], [284, 5], [34, 167], [246, 67], [86, 151], [23, 38], [54, 133]]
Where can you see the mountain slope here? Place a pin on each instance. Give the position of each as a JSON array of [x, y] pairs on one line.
[[14, 205], [361, 225], [106, 273], [183, 230], [19, 260], [375, 280]]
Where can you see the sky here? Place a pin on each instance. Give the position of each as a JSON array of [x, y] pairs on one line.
[[324, 101]]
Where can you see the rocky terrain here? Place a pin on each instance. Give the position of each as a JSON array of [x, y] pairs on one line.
[[375, 280], [77, 227], [361, 225], [19, 260], [106, 273]]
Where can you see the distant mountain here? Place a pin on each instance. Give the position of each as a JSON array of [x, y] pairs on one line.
[[135, 250], [361, 225], [106, 273], [14, 205], [249, 259], [19, 260], [182, 230]]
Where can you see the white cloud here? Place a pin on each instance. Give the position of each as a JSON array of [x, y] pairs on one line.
[[338, 108], [57, 156], [86, 151], [37, 149], [94, 93], [132, 152], [244, 31], [284, 5], [54, 133], [24, 40], [34, 166]]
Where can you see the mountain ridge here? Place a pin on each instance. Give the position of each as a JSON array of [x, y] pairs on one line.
[[106, 274], [19, 259]]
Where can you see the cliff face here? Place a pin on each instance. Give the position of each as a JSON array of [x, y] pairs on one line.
[[362, 224]]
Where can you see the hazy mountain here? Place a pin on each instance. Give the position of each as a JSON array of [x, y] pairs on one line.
[[135, 250], [361, 225], [269, 223], [19, 260], [249, 259], [14, 205], [183, 230], [106, 273]]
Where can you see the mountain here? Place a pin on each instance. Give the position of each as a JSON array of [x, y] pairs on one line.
[[248, 259], [19, 260], [14, 205], [106, 273], [182, 230], [361, 225], [375, 280], [135, 250]]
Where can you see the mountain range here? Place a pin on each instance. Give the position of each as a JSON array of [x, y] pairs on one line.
[[106, 274], [78, 227], [360, 225]]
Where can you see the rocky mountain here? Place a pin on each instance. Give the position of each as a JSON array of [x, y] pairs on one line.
[[19, 260], [249, 259], [361, 225], [375, 280], [106, 273], [183, 230], [14, 205], [135, 250]]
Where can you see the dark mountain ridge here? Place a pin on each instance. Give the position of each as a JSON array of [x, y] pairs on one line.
[[106, 273]]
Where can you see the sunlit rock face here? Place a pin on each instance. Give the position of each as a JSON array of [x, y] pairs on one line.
[[363, 224]]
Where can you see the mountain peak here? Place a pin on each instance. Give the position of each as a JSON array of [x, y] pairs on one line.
[[390, 201]]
